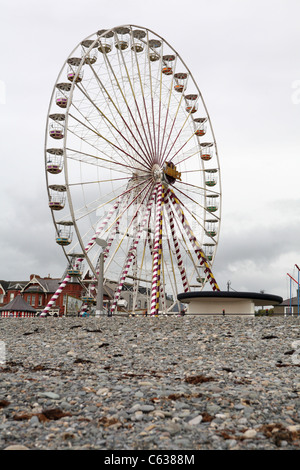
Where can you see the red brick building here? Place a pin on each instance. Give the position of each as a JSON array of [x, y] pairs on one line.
[[39, 290]]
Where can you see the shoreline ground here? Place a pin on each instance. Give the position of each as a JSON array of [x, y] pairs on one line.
[[167, 383]]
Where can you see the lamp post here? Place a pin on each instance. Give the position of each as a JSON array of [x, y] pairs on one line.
[[99, 304]]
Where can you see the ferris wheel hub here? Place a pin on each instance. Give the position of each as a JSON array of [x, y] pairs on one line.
[[157, 173]]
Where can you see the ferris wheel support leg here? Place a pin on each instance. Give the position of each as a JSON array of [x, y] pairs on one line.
[[181, 268], [162, 294], [131, 252], [111, 239], [200, 255], [157, 250], [98, 231], [56, 295], [102, 226]]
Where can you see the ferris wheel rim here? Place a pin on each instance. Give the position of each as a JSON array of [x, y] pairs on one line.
[[73, 85]]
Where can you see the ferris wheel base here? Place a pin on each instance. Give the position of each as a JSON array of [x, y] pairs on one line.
[[225, 303]]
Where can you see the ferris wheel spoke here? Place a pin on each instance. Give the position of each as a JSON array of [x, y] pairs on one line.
[[95, 160], [201, 256], [108, 141], [201, 206], [109, 121], [182, 146], [98, 206], [119, 216], [197, 190], [82, 183], [192, 214], [184, 156], [156, 151], [92, 159], [132, 250], [149, 145], [110, 125], [170, 131], [103, 223], [133, 201], [120, 114], [176, 247], [188, 252], [160, 147]]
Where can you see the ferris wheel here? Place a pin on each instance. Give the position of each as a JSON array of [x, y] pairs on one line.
[[131, 158]]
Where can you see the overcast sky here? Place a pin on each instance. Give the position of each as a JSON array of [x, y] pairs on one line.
[[244, 56]]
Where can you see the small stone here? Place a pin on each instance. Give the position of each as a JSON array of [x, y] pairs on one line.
[[147, 408], [230, 443], [158, 414], [134, 408], [294, 428], [138, 415], [102, 391], [71, 353], [249, 434], [239, 407], [51, 395], [195, 421], [34, 421]]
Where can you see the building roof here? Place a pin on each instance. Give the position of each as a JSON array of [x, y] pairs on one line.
[[18, 304], [43, 284], [287, 302], [4, 285], [16, 285], [258, 298]]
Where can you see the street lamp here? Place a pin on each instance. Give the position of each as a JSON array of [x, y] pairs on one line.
[[99, 304]]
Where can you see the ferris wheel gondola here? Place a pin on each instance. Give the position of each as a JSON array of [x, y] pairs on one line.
[[128, 118]]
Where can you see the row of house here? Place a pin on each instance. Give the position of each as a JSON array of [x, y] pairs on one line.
[[38, 291]]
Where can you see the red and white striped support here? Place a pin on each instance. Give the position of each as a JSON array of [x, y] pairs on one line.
[[87, 248], [132, 251], [181, 268], [111, 239], [162, 292], [55, 296], [102, 226], [157, 249], [200, 255]]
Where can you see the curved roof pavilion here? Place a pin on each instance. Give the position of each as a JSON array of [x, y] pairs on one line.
[[225, 302]]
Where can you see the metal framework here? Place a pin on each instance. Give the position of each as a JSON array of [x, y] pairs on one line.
[[131, 157]]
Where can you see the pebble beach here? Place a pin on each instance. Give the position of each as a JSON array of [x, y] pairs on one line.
[[141, 383]]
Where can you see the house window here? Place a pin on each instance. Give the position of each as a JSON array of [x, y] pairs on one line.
[[1, 298], [11, 297], [33, 300], [29, 299], [40, 300]]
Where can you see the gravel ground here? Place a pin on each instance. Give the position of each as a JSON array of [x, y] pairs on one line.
[[167, 383]]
